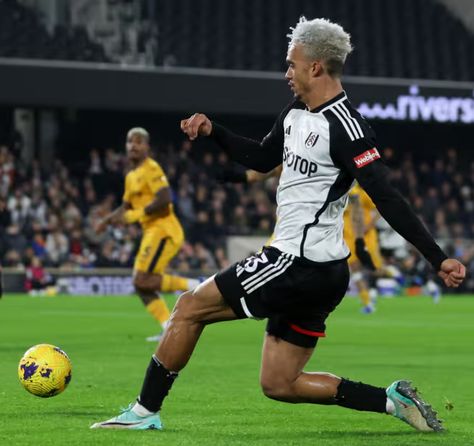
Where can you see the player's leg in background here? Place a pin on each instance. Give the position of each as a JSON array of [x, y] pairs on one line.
[[362, 286], [357, 275], [156, 251], [171, 283], [283, 379], [1, 282], [147, 289], [193, 311]]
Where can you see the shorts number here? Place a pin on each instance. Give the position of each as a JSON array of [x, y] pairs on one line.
[[251, 264]]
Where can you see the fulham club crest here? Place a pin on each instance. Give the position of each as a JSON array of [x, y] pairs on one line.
[[311, 140]]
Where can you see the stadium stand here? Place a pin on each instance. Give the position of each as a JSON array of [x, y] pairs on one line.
[[22, 35], [418, 39], [395, 38], [51, 215]]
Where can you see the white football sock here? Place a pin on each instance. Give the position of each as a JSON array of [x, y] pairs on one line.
[[141, 411], [389, 406], [193, 283]]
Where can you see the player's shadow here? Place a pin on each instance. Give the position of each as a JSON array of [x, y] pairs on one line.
[[293, 437]]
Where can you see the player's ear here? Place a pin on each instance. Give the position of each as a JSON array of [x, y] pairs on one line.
[[317, 68]]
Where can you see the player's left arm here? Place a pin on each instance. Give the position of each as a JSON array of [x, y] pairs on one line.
[[160, 203], [357, 219], [363, 161], [159, 185]]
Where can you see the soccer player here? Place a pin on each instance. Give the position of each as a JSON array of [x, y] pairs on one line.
[[324, 145], [147, 200]]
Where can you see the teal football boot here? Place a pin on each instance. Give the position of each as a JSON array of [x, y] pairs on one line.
[[411, 409], [129, 420]]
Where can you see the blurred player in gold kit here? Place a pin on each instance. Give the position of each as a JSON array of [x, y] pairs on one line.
[[147, 201], [361, 237]]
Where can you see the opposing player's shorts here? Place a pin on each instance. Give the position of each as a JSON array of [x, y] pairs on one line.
[[157, 248], [296, 295]]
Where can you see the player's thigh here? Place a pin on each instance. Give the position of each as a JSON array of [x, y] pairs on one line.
[[374, 251], [350, 242], [157, 248], [204, 304], [282, 361]]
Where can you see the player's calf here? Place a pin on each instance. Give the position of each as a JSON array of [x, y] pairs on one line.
[[400, 399]]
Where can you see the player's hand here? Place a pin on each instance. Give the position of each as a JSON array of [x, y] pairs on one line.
[[363, 255], [197, 125], [452, 272], [133, 215], [100, 226]]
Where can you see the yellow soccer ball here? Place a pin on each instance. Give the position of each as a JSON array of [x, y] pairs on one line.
[[45, 370]]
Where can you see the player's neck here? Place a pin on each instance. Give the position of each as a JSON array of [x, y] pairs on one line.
[[138, 163], [326, 89]]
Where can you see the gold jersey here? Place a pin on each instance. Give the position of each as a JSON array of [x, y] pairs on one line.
[[370, 237], [141, 187]]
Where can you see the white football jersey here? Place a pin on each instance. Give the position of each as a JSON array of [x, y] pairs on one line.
[[312, 193]]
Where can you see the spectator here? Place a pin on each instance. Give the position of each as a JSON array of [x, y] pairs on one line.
[[57, 246], [38, 281]]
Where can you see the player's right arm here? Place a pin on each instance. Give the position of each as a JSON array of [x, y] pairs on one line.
[[260, 156], [114, 217], [117, 215]]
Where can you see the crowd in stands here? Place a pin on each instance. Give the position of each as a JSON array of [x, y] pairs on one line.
[[50, 215]]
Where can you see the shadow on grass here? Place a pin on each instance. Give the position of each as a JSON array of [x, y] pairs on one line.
[[316, 434]]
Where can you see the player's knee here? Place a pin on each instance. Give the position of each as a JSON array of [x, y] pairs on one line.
[[146, 283], [186, 308], [140, 284], [276, 388]]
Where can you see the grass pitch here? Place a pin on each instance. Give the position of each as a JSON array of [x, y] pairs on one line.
[[217, 400]]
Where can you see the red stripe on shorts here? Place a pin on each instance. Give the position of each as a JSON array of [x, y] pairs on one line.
[[316, 334]]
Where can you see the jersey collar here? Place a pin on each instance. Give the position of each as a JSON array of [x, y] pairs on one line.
[[341, 95]]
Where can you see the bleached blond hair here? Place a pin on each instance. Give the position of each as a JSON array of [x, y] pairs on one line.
[[322, 40], [139, 131]]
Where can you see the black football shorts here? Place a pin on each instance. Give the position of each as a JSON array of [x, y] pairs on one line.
[[296, 295]]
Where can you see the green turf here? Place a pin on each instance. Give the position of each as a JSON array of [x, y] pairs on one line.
[[217, 400]]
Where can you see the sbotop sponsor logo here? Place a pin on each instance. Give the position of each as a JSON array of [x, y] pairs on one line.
[[96, 285]]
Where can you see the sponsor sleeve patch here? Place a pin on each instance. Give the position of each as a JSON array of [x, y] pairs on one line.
[[366, 158]]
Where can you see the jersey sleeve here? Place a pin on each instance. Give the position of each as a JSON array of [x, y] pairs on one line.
[[126, 192], [361, 159], [261, 156], [156, 179]]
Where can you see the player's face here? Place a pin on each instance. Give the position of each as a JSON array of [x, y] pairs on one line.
[[137, 147], [299, 72]]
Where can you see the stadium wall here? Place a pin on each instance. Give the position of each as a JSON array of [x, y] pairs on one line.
[[106, 86]]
